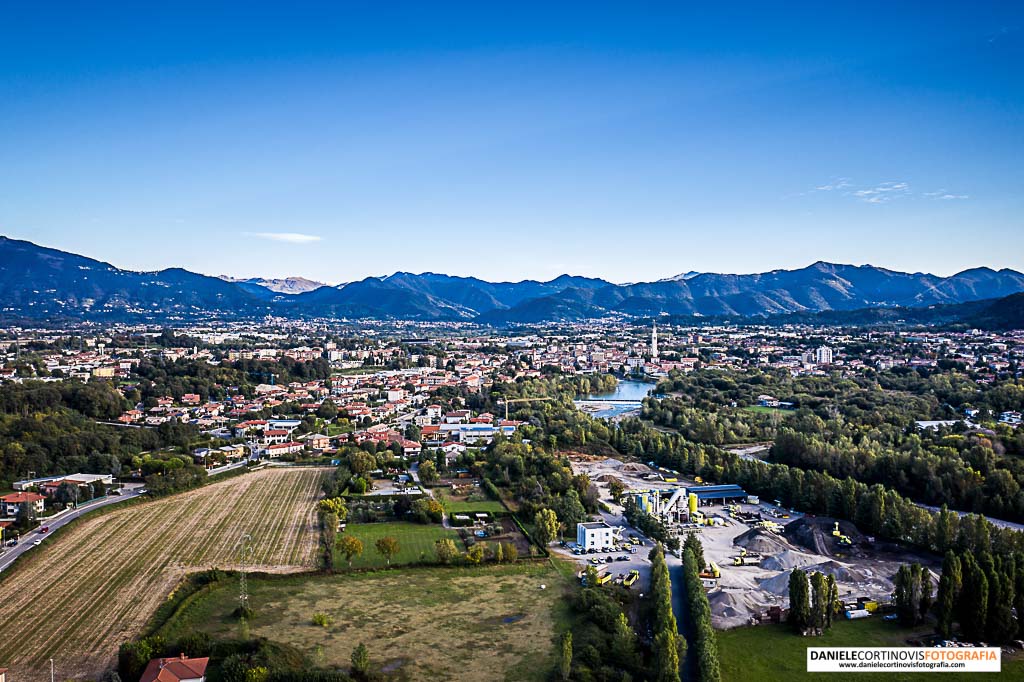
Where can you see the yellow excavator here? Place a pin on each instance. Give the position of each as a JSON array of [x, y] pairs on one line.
[[844, 540]]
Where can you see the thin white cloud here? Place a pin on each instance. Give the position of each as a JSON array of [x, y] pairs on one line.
[[841, 183], [880, 194], [946, 195], [287, 237]]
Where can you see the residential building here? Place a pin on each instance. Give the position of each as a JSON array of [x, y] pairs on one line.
[[179, 669]]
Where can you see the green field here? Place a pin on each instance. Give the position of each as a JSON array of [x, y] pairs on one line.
[[773, 652], [490, 506], [482, 624], [415, 543], [758, 409]]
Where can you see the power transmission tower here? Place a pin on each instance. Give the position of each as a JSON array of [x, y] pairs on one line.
[[245, 552]]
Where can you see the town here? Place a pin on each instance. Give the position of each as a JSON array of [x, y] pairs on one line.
[[575, 445]]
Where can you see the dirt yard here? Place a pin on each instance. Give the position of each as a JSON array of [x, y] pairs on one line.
[[93, 585]]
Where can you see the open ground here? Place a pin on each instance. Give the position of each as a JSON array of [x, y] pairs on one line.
[[483, 623], [93, 586]]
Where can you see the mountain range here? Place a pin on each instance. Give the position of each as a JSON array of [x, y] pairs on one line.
[[47, 284], [286, 285]]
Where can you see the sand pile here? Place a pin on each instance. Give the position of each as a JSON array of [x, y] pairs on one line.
[[632, 467], [765, 542], [787, 559], [842, 572], [815, 533], [732, 609], [777, 585]]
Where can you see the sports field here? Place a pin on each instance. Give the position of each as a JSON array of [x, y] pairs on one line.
[[95, 583]]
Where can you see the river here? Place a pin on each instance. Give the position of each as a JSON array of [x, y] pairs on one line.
[[624, 399]]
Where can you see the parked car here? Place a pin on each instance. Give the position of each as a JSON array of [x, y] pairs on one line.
[[37, 543], [624, 557]]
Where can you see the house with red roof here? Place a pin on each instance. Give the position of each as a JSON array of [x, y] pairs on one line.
[[12, 504], [179, 669]]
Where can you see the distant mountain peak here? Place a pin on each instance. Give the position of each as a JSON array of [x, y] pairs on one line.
[[682, 277], [283, 285]]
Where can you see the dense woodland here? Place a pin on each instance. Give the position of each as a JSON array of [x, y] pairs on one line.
[[865, 429]]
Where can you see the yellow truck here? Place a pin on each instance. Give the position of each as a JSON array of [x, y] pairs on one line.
[[631, 578], [604, 578]]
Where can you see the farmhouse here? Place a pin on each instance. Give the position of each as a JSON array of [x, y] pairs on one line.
[[178, 669]]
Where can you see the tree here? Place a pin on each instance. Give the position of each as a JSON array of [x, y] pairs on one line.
[[820, 605], [546, 522], [428, 472], [667, 661], [949, 593], [475, 554], [799, 600], [510, 552], [445, 550], [570, 509], [351, 547], [624, 642], [694, 544], [926, 601], [360, 660], [333, 505], [973, 603], [387, 547], [327, 410], [565, 666], [427, 510]]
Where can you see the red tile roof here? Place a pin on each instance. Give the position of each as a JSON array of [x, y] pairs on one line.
[[175, 669]]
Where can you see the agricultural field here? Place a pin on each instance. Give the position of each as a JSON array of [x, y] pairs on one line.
[[95, 583], [484, 623], [773, 652], [415, 543]]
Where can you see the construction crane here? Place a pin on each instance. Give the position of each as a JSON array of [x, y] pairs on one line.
[[521, 400]]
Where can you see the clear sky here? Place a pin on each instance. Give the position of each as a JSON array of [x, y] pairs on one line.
[[631, 141]]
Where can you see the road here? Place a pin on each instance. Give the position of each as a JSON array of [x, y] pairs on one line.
[[10, 554], [999, 523]]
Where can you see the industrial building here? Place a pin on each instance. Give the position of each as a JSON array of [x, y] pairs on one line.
[[596, 535], [684, 502]]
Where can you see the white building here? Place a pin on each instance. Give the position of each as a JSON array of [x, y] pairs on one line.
[[823, 356], [597, 535]]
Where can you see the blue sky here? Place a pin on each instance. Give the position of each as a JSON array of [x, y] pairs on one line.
[[631, 141]]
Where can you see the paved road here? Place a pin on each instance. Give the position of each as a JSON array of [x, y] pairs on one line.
[[131, 490], [995, 522]]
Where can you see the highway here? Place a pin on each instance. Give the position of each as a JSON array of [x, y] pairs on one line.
[[10, 554]]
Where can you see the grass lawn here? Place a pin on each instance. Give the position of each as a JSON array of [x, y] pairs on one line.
[[482, 624], [415, 543], [758, 409], [773, 652], [490, 506]]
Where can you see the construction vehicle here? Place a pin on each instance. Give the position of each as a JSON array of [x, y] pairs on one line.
[[631, 578], [744, 552], [604, 577], [746, 560], [844, 540], [712, 571]]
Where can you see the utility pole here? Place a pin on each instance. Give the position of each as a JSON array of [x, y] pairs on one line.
[[51, 670]]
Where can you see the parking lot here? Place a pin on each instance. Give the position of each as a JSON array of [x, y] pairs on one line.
[[617, 567]]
